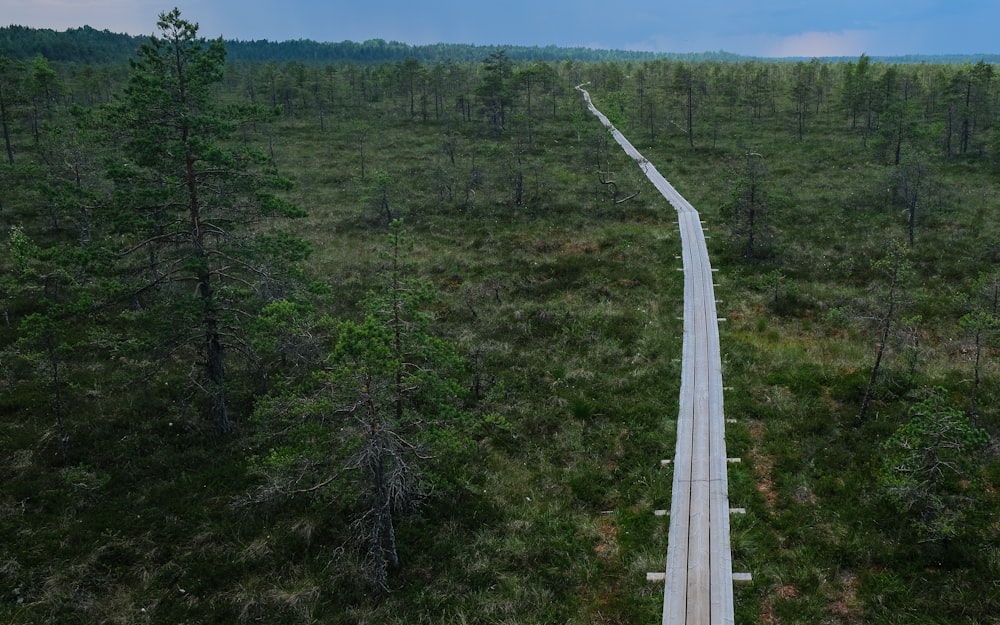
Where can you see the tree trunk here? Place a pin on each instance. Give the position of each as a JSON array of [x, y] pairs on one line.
[[384, 205], [899, 142], [381, 533], [57, 398], [361, 154], [215, 367], [214, 358], [518, 180], [690, 114], [381, 509], [949, 130], [974, 410], [36, 123], [870, 387], [6, 129], [651, 118], [883, 343]]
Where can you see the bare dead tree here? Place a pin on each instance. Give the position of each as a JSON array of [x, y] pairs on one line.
[[895, 268]]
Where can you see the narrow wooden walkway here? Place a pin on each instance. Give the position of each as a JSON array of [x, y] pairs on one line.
[[698, 588]]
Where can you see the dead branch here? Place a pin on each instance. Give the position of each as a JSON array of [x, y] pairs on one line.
[[626, 199], [614, 189], [317, 486], [612, 183], [682, 129]]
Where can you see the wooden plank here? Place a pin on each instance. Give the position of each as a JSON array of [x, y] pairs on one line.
[[699, 564], [699, 608], [675, 598], [714, 450], [675, 588], [722, 590]]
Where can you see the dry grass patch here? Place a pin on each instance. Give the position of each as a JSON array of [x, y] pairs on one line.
[[763, 465], [606, 543], [847, 607]]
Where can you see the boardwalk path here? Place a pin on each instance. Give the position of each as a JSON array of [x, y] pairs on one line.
[[699, 576]]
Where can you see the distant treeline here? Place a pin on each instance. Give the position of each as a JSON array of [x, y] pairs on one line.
[[88, 45]]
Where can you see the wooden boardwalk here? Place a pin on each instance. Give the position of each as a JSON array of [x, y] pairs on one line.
[[698, 587]]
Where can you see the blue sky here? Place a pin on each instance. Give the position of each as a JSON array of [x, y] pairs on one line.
[[762, 27]]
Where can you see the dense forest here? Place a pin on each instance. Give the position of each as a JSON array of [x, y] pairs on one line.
[[88, 45], [387, 337]]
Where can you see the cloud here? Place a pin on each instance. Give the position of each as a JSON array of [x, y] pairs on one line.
[[820, 44]]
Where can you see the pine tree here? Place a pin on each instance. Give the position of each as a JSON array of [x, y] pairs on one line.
[[930, 473], [379, 421], [186, 200], [749, 210]]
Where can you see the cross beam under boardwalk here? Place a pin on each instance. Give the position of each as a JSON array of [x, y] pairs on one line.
[[698, 586]]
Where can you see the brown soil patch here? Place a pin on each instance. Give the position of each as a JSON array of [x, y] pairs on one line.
[[607, 537], [763, 465], [785, 591], [846, 606], [767, 616], [579, 247]]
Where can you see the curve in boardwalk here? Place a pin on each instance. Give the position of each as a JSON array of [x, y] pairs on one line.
[[699, 576]]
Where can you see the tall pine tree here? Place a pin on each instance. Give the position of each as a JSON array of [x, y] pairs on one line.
[[187, 198]]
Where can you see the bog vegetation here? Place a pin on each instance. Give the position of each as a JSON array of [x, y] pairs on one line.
[[399, 342]]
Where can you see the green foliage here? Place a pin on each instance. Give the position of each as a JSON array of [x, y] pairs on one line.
[[617, 102], [930, 470], [495, 89], [187, 202], [22, 250], [385, 409], [749, 213], [85, 478]]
